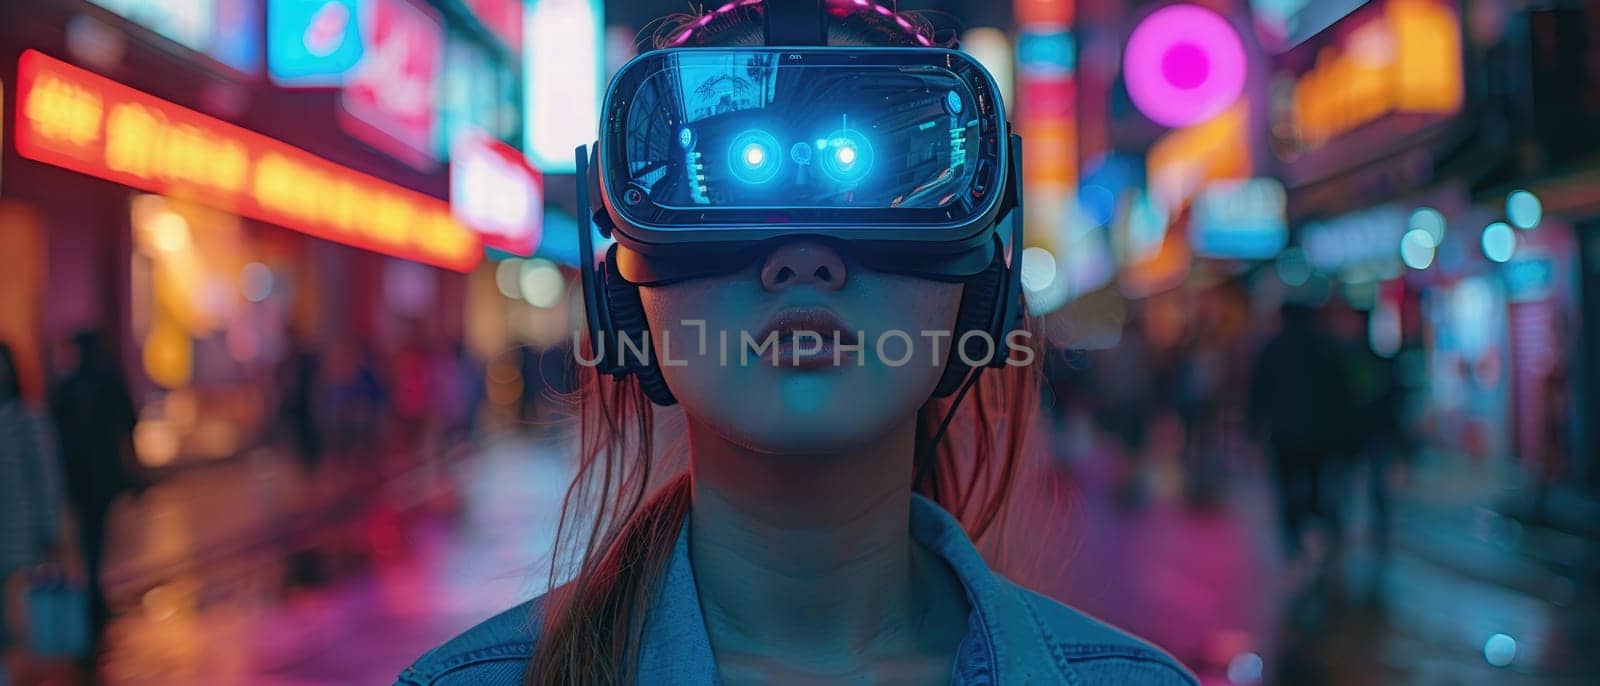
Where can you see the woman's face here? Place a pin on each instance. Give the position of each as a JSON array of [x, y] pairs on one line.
[[727, 347]]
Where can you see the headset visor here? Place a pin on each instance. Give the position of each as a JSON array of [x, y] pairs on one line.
[[746, 143]]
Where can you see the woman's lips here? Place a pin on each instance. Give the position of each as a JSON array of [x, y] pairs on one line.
[[808, 338], [808, 353]]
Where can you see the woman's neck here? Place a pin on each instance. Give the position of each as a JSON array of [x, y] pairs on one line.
[[809, 558]]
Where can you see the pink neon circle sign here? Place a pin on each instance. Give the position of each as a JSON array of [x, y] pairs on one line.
[[1183, 65]]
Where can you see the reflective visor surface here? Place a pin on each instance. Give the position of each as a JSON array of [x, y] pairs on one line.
[[823, 135]]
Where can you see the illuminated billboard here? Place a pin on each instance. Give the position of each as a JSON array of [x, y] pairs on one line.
[[495, 191], [388, 98], [562, 72], [313, 43], [1396, 60], [1240, 219], [71, 118]]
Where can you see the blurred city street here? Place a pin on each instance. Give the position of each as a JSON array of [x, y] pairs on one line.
[[404, 577], [1207, 584]]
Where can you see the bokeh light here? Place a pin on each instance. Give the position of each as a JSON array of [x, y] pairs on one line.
[[170, 231], [1038, 269], [1417, 249], [1499, 242], [1430, 220], [1245, 668], [255, 282], [1184, 64], [1500, 650], [1524, 209], [508, 277], [541, 282]]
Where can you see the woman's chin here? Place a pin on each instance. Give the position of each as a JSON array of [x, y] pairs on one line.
[[823, 430]]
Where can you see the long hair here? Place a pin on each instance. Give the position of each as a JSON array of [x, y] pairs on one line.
[[626, 505]]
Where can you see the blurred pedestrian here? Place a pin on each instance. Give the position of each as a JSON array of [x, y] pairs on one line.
[[1300, 406], [413, 395], [1373, 435], [355, 398], [469, 380], [94, 418], [300, 411], [1128, 387], [31, 513], [1556, 435], [1199, 402]]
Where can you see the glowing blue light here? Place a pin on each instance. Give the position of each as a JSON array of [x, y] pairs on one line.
[[685, 138], [754, 157], [1245, 668], [822, 143], [1097, 203], [1499, 242], [1430, 220], [1417, 248], [1500, 650], [1524, 209], [801, 152], [851, 159], [952, 100]]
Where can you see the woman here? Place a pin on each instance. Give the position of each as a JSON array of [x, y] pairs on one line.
[[820, 531]]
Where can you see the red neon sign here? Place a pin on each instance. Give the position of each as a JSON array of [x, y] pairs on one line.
[[494, 190], [71, 118], [388, 100]]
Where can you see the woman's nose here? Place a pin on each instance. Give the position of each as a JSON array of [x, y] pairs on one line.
[[808, 263]]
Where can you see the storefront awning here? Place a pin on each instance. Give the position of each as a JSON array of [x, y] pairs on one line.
[[78, 120]]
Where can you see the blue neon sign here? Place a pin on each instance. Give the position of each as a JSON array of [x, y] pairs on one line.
[[314, 43]]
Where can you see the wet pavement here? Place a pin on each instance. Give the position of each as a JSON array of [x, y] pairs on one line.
[[1462, 584], [407, 581]]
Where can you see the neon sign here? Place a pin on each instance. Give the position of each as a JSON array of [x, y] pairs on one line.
[[494, 190], [561, 72], [313, 43], [1183, 160], [1183, 65], [1240, 219], [388, 100], [1405, 60], [71, 118]]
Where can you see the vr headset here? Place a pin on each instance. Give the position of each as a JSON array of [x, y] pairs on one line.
[[900, 156]]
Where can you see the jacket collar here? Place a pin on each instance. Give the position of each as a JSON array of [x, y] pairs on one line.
[[677, 650]]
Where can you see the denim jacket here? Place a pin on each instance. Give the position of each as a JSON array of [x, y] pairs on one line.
[[1015, 636]]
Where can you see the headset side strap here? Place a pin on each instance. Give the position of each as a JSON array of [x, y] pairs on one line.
[[1011, 308], [594, 313]]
